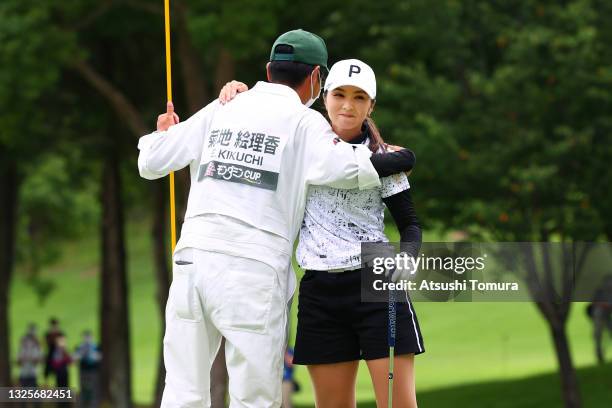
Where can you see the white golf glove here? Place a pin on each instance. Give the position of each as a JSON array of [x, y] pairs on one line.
[[404, 270]]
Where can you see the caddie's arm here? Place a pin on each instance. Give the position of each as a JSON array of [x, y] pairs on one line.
[[174, 145], [338, 164], [329, 160], [397, 160]]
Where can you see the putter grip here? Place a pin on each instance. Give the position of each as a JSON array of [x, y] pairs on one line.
[[392, 319]]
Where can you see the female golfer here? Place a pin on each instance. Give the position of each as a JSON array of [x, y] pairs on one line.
[[335, 328]]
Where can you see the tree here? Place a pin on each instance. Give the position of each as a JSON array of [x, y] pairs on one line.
[[23, 89], [199, 30], [9, 189], [504, 106]]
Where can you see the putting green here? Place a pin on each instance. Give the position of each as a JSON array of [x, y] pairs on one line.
[[466, 343]]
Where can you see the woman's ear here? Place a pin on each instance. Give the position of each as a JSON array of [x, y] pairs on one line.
[[268, 71], [317, 70]]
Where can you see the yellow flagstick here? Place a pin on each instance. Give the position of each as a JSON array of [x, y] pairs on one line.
[[169, 91]]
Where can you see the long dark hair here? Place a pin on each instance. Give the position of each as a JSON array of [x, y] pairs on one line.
[[376, 140]]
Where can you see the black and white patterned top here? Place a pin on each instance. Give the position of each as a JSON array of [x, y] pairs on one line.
[[336, 221]]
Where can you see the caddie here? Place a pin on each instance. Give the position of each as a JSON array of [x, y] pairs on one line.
[[251, 163]]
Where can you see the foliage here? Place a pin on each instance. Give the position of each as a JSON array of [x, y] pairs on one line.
[[506, 104]]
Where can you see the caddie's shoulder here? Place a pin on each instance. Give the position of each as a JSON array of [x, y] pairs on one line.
[[311, 119], [211, 107], [207, 112]]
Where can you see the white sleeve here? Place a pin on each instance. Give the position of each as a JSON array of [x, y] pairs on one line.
[[331, 161], [393, 184], [163, 152]]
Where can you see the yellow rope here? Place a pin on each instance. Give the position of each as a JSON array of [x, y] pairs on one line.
[[169, 91]]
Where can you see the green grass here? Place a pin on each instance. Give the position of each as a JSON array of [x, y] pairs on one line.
[[75, 301], [531, 392], [476, 352]]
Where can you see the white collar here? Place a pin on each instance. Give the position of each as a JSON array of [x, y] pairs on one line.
[[277, 89]]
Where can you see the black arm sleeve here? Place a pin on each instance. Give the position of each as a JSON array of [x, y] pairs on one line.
[[402, 210], [390, 163]]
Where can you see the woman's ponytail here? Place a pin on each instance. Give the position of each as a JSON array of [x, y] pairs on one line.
[[376, 140]]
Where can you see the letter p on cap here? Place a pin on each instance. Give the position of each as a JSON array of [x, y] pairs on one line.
[[354, 69]]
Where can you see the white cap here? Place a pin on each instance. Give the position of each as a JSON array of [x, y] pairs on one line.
[[352, 72]]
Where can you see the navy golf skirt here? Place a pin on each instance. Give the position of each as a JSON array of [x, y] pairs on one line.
[[335, 326]]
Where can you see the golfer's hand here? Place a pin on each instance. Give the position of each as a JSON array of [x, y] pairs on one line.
[[230, 90], [165, 120], [404, 272]]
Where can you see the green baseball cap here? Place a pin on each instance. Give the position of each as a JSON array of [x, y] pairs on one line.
[[308, 48]]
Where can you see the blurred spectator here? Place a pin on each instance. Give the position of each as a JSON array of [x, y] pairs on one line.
[[30, 354], [289, 384], [60, 361], [51, 338], [600, 311], [88, 354]]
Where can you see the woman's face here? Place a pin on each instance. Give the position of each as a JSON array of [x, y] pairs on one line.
[[347, 107]]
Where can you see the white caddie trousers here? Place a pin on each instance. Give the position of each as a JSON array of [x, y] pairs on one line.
[[215, 295]]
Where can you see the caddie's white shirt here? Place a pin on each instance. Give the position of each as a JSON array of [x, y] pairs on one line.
[[251, 162], [337, 221]]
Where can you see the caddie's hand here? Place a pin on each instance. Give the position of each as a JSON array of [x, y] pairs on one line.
[[165, 120], [230, 90], [395, 148]]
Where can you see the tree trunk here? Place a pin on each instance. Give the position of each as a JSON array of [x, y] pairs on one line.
[[226, 69], [556, 314], [9, 187], [116, 368], [162, 273], [569, 381], [195, 87]]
